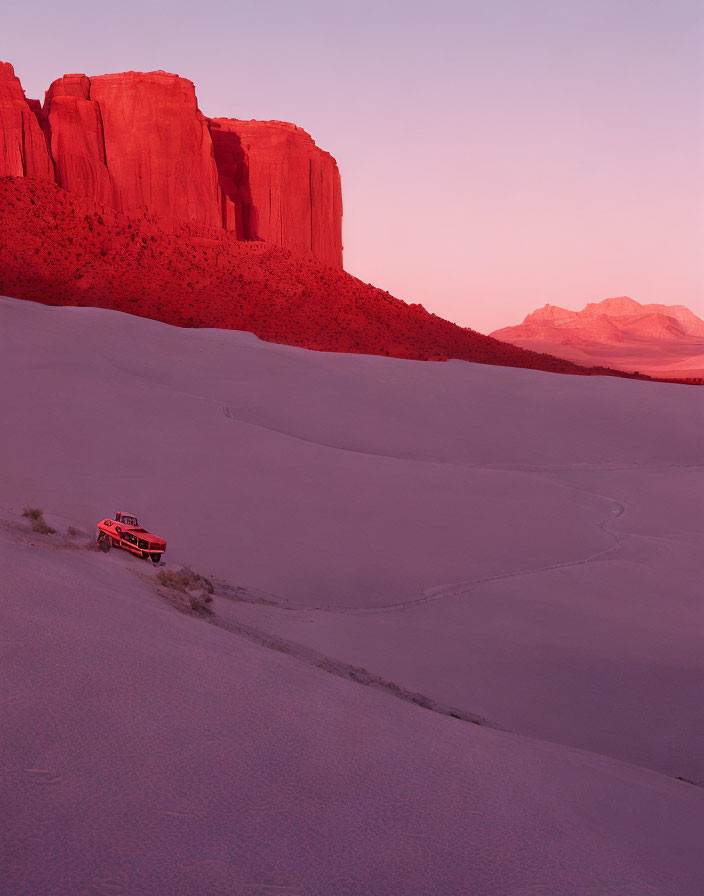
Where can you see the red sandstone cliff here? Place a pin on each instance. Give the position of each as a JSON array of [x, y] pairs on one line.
[[278, 186], [157, 146], [23, 149], [137, 142], [243, 228], [77, 141]]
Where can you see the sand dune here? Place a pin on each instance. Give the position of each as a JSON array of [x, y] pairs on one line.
[[519, 547]]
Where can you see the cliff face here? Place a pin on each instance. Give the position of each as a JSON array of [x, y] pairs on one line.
[[23, 149], [157, 146], [278, 186], [77, 140], [137, 142]]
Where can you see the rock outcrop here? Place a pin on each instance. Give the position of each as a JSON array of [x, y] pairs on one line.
[[23, 149], [137, 143], [278, 186], [77, 140], [158, 149]]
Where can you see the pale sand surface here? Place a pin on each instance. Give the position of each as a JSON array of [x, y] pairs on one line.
[[604, 653], [521, 546]]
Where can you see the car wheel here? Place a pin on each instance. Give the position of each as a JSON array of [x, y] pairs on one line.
[[156, 558], [104, 544]]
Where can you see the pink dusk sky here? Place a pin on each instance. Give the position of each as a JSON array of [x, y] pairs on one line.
[[494, 155]]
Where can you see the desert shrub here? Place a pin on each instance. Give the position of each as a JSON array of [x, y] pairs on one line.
[[196, 588], [39, 524], [199, 605], [184, 580]]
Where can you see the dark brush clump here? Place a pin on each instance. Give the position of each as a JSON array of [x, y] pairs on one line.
[[36, 518], [192, 592]]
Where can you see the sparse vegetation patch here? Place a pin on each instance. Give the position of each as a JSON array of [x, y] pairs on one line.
[[36, 518], [184, 580], [196, 589]]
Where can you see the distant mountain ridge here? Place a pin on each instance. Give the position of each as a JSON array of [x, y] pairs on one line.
[[658, 339]]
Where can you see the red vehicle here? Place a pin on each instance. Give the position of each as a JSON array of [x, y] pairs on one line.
[[126, 533]]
